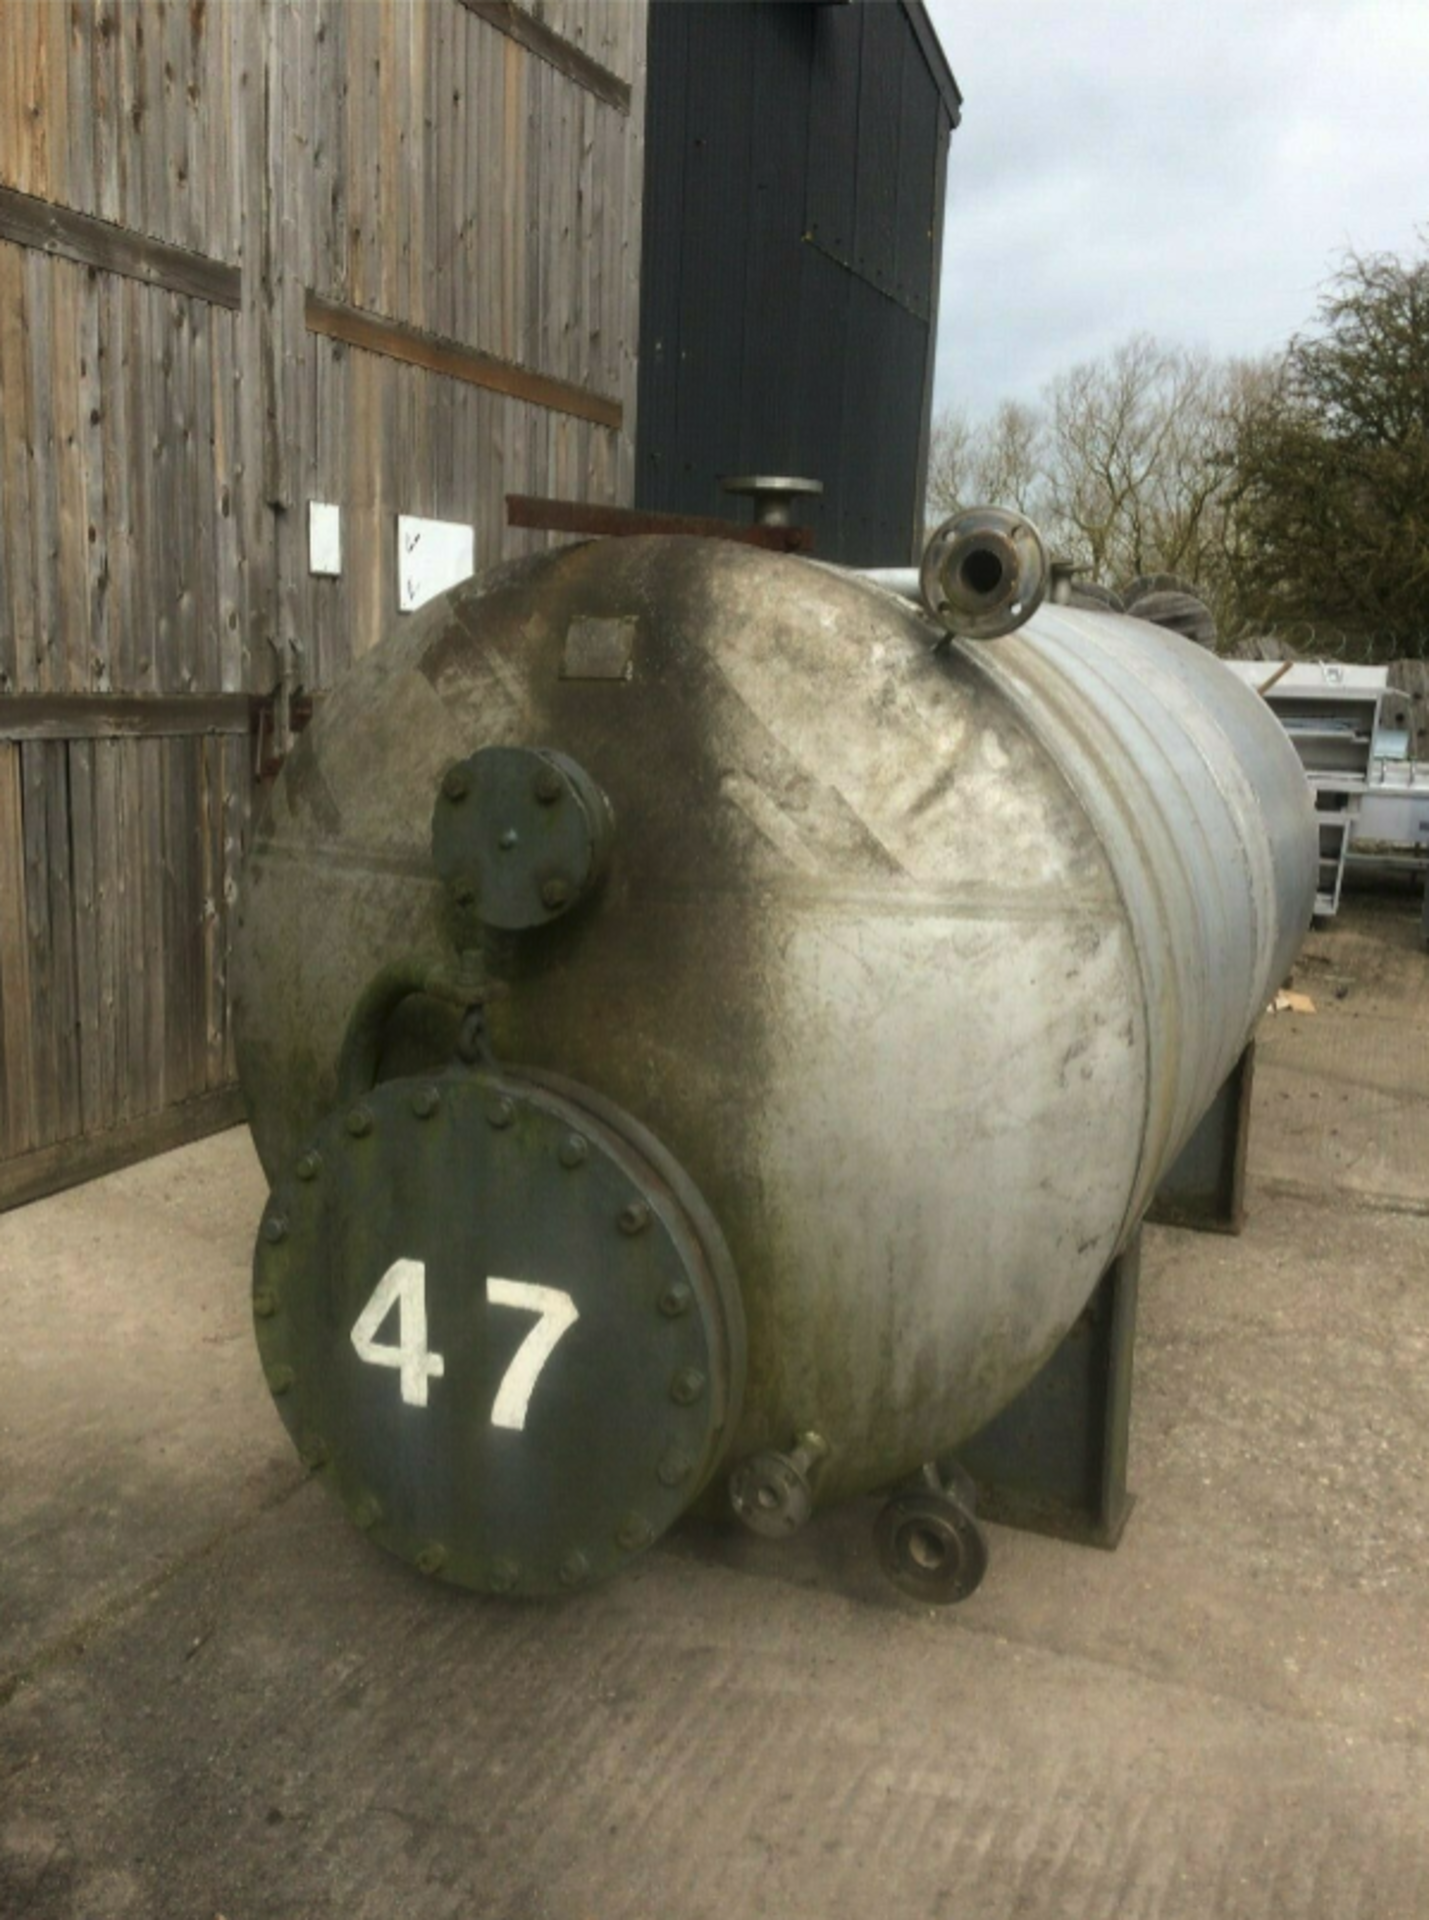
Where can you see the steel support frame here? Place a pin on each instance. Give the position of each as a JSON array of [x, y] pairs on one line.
[[1054, 1461]]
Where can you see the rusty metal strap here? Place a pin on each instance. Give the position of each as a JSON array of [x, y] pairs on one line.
[[581, 516]]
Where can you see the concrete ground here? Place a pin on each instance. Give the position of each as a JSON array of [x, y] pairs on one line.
[[216, 1699]]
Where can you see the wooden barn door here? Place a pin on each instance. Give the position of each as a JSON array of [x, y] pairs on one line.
[[382, 257], [129, 576]]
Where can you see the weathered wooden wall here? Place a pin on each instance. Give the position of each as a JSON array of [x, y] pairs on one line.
[[384, 254]]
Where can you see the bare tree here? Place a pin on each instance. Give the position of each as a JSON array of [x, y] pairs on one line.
[[949, 464], [1136, 468], [1292, 491], [1009, 463], [998, 463], [1127, 466]]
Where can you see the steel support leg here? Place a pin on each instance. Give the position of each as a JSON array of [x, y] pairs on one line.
[[1055, 1460], [1205, 1188]]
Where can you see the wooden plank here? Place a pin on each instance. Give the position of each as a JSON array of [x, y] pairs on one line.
[[97, 716], [153, 214], [91, 242], [326, 462], [323, 241], [213, 135], [203, 616], [250, 393], [27, 26], [142, 452], [151, 853], [11, 120], [109, 911], [189, 475], [116, 299], [589, 238], [106, 85], [535, 131], [181, 865], [300, 358], [382, 133], [287, 216], [232, 86], [210, 837], [411, 270], [93, 360], [361, 82], [392, 478], [445, 209], [89, 1042], [43, 1052], [71, 603], [67, 1163], [130, 931], [551, 311], [474, 250], [227, 508], [17, 593], [129, 151], [167, 482], [478, 369], [188, 754], [364, 373], [512, 225], [482, 188], [185, 112], [59, 185], [61, 957], [535, 37], [44, 508], [236, 796], [17, 1085]]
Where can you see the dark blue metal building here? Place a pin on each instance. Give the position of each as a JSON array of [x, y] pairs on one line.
[[796, 156]]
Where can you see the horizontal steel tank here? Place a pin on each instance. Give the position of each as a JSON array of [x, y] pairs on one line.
[[707, 1029]]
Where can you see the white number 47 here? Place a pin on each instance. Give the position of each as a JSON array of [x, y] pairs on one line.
[[404, 1286]]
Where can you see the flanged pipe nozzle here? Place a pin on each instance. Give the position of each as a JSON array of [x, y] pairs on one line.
[[984, 573], [773, 1493]]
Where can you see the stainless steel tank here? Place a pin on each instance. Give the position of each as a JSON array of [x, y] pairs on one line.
[[875, 976]]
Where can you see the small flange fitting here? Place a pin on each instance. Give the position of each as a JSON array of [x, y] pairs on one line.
[[984, 573], [930, 1544], [773, 1493]]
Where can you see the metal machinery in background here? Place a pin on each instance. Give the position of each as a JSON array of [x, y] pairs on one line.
[[709, 1026], [1371, 797]]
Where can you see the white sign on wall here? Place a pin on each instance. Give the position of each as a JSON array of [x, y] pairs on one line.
[[432, 555], [324, 539]]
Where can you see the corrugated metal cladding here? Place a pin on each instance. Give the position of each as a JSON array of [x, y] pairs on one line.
[[795, 165]]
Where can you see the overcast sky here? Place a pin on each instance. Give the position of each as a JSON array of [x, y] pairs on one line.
[[1184, 169]]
